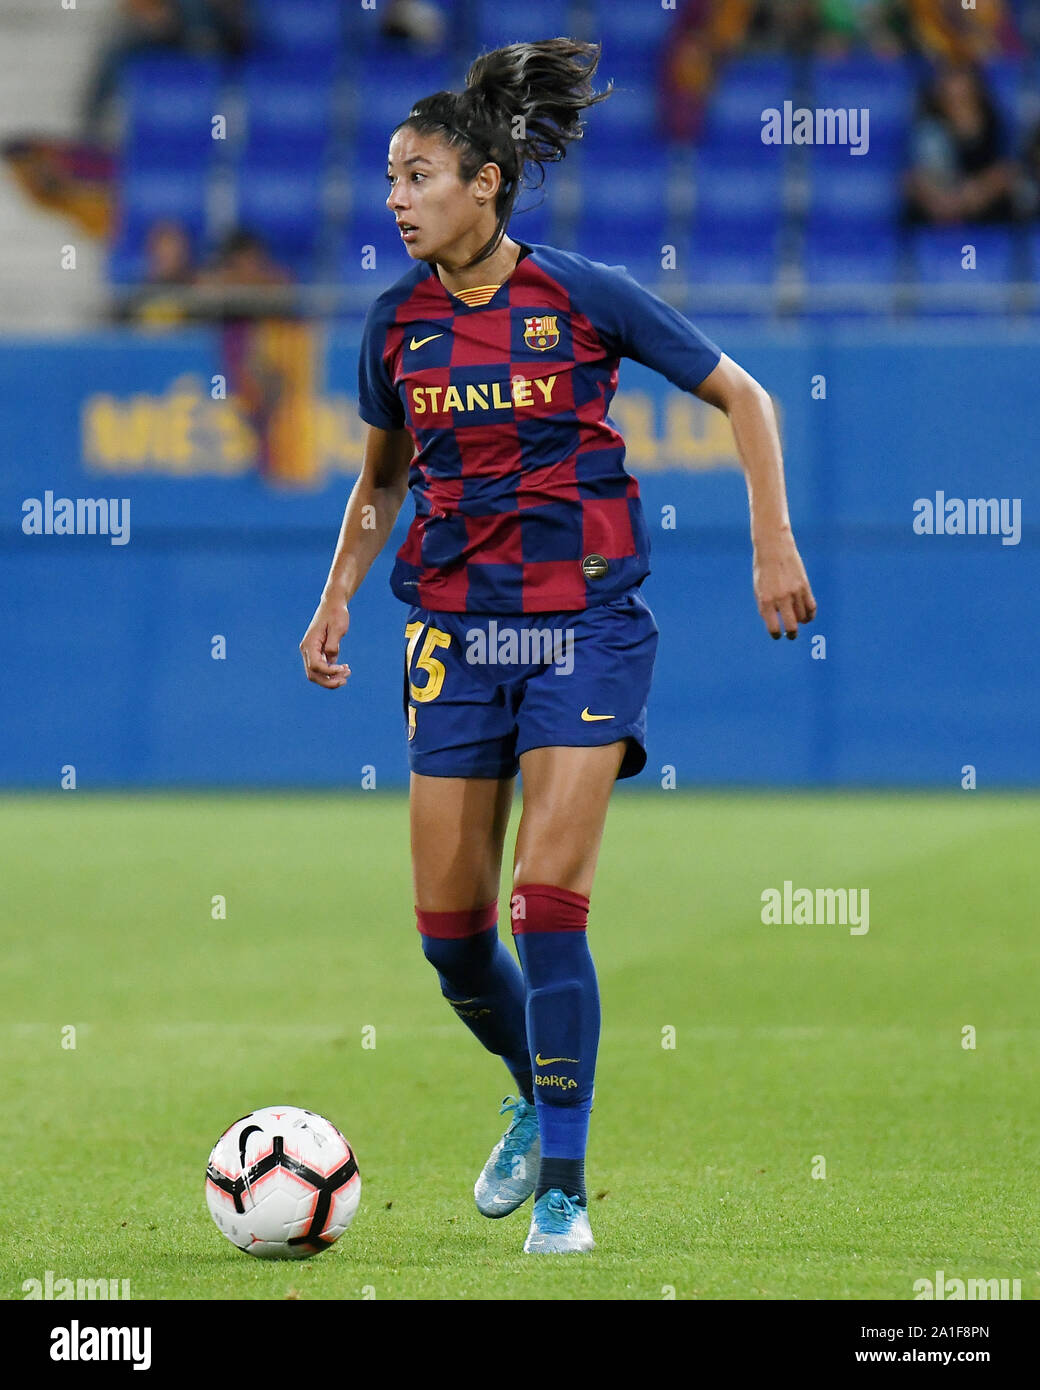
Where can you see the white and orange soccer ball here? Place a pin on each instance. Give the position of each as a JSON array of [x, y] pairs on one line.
[[282, 1183]]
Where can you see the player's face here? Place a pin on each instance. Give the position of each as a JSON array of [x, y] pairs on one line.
[[427, 195]]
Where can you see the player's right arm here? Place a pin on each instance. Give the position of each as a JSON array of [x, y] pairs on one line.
[[367, 522]]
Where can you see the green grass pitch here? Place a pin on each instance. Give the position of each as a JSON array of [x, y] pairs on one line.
[[791, 1042]]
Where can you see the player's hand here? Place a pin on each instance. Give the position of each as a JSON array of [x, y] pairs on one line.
[[781, 586], [320, 645]]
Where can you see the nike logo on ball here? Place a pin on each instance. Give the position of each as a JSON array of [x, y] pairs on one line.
[[589, 718], [420, 342]]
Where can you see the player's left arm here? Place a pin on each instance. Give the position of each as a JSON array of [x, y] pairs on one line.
[[632, 322], [781, 584]]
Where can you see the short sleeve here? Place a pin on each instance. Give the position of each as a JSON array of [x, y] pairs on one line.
[[378, 401], [637, 324]]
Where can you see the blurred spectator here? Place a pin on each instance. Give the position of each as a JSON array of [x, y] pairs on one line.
[[66, 177], [270, 355], [1029, 190], [168, 267], [243, 260], [703, 34], [144, 26], [945, 30], [169, 254], [707, 32], [216, 25], [141, 26], [1027, 20], [788, 28], [76, 176], [839, 26], [415, 20], [960, 171]]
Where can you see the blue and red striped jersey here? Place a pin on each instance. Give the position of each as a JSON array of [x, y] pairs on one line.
[[519, 473]]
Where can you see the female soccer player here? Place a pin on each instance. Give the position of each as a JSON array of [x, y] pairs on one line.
[[486, 375]]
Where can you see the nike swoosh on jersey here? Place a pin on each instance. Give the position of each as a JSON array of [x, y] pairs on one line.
[[421, 342], [590, 718], [541, 1061]]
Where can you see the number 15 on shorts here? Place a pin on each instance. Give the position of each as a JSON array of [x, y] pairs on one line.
[[425, 661]]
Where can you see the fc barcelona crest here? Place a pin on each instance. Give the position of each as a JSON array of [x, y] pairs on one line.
[[542, 333]]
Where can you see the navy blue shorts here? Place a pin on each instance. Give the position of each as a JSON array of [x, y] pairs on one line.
[[481, 689]]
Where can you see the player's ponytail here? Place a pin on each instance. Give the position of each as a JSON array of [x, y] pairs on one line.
[[520, 110]]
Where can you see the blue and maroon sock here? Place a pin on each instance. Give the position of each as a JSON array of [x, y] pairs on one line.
[[482, 982], [563, 1019]]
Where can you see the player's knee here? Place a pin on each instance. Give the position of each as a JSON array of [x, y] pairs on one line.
[[462, 962], [448, 955], [550, 855]]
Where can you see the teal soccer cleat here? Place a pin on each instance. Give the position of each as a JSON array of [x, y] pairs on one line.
[[559, 1226], [510, 1174]]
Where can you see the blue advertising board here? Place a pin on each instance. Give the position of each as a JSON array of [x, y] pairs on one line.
[[160, 647]]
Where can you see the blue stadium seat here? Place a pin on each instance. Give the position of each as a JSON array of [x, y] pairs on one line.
[[885, 88], [624, 232], [624, 66], [853, 194], [284, 206], [630, 172], [622, 210], [889, 155], [745, 88], [1029, 270], [851, 256], [303, 27], [289, 108], [938, 251], [623, 203], [886, 85], [498, 24], [533, 216], [615, 243], [151, 195], [639, 258], [369, 229], [634, 25], [148, 195], [728, 196], [726, 257], [634, 37], [1006, 80], [743, 148], [402, 82], [628, 119], [366, 180], [126, 264], [170, 102]]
